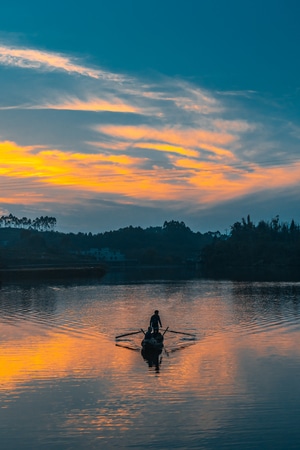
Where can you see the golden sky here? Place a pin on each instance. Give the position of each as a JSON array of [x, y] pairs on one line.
[[74, 136]]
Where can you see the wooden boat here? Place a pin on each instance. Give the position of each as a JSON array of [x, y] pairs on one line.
[[156, 342]]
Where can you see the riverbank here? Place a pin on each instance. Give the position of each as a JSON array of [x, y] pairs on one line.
[[54, 272]]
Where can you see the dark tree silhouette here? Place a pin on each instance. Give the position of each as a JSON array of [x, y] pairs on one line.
[[266, 250]]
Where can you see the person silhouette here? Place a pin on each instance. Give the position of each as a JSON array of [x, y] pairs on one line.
[[148, 334], [155, 321]]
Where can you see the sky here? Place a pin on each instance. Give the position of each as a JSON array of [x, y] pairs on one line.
[[119, 113]]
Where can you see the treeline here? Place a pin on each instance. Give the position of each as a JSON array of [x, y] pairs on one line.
[[171, 244], [266, 250], [42, 223]]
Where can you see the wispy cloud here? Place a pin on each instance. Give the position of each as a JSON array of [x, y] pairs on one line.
[[93, 104], [109, 135], [44, 60], [186, 179]]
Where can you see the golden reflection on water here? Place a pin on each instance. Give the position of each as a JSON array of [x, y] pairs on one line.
[[49, 355], [211, 364], [216, 379]]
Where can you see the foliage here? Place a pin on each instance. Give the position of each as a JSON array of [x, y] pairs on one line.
[[266, 250], [172, 243], [40, 223]]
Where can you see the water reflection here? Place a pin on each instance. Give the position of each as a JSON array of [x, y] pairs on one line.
[[153, 358], [66, 383], [28, 300]]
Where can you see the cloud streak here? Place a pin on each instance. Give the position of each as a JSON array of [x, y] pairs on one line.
[[130, 178], [137, 142], [47, 61]]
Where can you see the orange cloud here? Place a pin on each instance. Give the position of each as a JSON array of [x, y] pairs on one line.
[[94, 104], [166, 148], [218, 182], [31, 173], [191, 138], [98, 173]]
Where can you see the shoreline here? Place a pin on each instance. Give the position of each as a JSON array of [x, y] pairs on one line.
[[40, 272]]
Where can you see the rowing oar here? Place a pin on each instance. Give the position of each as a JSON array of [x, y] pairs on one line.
[[181, 332], [165, 331], [127, 334]]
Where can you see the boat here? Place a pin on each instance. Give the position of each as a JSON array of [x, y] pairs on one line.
[[156, 342], [153, 342]]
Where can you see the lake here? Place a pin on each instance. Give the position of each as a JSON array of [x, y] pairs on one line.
[[67, 383]]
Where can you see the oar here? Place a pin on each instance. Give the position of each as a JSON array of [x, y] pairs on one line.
[[165, 331], [126, 346], [181, 332], [128, 334]]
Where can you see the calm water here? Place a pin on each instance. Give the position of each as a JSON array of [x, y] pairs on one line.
[[66, 383]]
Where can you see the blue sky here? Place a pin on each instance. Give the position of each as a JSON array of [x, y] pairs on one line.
[[117, 113]]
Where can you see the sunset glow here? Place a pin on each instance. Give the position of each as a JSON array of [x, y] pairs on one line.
[[26, 361], [74, 128], [186, 179], [149, 164]]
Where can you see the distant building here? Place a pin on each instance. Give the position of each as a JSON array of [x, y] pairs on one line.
[[105, 254]]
